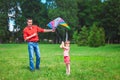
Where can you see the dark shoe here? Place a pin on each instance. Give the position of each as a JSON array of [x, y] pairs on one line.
[[32, 70], [38, 68]]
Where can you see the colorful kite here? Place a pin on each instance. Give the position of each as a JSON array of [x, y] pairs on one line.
[[58, 21]]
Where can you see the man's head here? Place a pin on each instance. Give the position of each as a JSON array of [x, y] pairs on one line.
[[29, 22]]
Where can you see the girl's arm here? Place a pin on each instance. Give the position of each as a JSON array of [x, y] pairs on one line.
[[62, 45]]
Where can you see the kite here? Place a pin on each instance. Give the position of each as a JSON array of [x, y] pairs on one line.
[[56, 22]]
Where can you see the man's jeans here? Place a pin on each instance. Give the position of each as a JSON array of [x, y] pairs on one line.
[[33, 47]]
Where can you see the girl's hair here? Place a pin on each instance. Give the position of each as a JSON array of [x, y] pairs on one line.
[[67, 42]]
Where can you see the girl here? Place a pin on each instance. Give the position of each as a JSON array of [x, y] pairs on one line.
[[66, 47]]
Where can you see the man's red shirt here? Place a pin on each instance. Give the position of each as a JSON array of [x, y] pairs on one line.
[[30, 31]]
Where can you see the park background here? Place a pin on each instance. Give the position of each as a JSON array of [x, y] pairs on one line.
[[94, 34], [78, 14]]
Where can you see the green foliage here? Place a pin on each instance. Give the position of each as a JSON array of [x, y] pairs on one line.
[[35, 10], [110, 18], [96, 37], [93, 38], [75, 37], [4, 34], [76, 13], [88, 11], [83, 36], [3, 26], [102, 36]]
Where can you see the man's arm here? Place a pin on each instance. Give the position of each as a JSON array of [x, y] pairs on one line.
[[39, 29], [49, 30], [30, 36]]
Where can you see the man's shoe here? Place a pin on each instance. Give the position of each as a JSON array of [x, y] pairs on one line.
[[38, 68], [32, 70]]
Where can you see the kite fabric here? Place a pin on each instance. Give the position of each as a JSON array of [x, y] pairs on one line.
[[58, 21]]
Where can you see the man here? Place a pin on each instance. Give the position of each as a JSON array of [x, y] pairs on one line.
[[30, 34]]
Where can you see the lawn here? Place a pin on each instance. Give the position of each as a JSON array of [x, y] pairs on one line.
[[102, 63]]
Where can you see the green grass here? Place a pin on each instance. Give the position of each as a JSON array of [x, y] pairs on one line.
[[102, 63]]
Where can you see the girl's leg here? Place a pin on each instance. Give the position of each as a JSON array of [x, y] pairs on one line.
[[67, 69]]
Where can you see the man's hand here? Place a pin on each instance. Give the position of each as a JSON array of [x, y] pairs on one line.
[[53, 30]]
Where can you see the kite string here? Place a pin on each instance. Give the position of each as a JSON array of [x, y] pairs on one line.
[[58, 34]]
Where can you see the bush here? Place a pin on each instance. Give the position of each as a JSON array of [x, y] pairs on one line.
[[75, 36], [102, 36], [83, 37], [96, 37]]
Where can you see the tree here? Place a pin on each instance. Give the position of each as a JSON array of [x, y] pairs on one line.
[[5, 5], [93, 39], [75, 37], [83, 37], [88, 11], [110, 19], [102, 36], [36, 10], [96, 37], [3, 27]]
